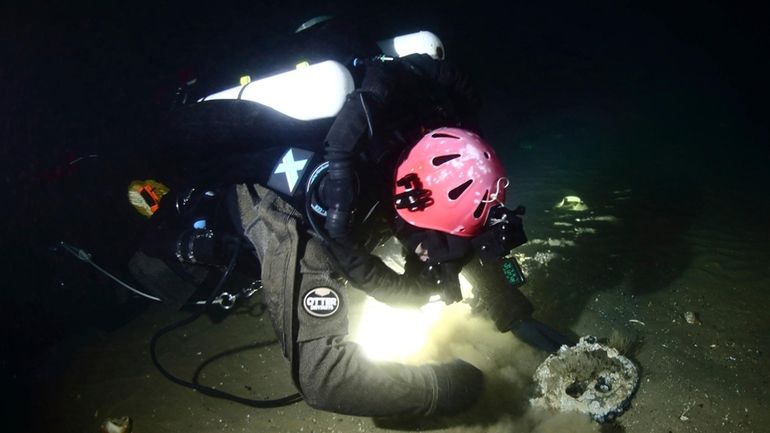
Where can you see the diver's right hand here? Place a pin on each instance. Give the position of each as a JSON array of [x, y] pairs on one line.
[[540, 336], [446, 282], [459, 386]]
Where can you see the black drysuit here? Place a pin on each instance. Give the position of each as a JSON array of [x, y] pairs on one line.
[[388, 110], [306, 277]]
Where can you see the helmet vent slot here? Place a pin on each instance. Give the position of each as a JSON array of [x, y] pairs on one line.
[[440, 160], [457, 191], [444, 135], [480, 208]]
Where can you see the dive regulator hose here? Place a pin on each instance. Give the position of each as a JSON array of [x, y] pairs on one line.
[[206, 390]]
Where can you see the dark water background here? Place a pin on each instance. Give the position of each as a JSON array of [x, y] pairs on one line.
[[667, 102]]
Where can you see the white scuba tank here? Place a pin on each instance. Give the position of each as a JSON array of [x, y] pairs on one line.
[[422, 42], [307, 93], [319, 91]]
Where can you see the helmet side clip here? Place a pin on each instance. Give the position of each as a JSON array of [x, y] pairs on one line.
[[414, 198]]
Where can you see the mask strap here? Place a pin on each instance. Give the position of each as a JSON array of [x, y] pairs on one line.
[[493, 196]]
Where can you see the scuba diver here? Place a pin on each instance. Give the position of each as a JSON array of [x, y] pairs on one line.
[[403, 157]]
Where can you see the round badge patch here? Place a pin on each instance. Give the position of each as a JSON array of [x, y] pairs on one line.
[[321, 302]]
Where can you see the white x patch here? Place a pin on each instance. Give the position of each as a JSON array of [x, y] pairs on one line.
[[291, 168]]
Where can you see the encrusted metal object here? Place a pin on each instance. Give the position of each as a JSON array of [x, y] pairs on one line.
[[589, 377]]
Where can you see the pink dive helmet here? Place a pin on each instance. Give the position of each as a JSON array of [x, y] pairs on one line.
[[449, 181]]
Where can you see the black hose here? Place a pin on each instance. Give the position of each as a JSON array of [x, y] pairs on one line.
[[211, 392]]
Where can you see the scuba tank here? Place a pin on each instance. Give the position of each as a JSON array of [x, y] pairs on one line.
[[271, 129]]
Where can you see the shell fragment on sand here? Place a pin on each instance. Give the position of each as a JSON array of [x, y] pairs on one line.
[[691, 317], [589, 377], [572, 203], [116, 425]]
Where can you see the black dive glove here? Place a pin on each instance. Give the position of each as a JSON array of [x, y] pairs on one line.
[[446, 279], [445, 256], [459, 385], [504, 232], [539, 335]]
